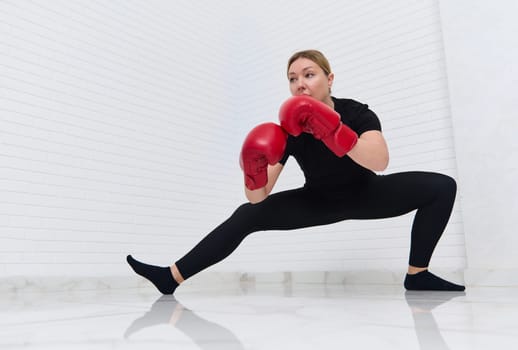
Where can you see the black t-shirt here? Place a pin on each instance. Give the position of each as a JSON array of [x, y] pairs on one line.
[[320, 165]]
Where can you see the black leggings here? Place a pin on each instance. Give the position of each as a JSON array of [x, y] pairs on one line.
[[380, 196]]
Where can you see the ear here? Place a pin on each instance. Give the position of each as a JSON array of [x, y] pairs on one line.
[[330, 79]]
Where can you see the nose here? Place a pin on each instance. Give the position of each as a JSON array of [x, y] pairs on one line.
[[301, 86]]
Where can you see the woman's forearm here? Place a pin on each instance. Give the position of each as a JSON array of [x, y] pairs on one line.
[[371, 152], [260, 194]]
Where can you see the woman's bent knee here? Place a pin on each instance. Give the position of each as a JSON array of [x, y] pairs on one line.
[[449, 184]]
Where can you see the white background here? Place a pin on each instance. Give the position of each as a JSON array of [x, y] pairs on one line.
[[121, 124], [481, 55]]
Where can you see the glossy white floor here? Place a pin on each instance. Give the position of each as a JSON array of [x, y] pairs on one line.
[[260, 316]]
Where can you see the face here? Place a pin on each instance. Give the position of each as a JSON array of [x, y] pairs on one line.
[[307, 78]]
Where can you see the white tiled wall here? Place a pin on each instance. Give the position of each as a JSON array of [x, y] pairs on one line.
[[116, 133], [121, 122]]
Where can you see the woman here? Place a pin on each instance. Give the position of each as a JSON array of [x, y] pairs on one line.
[[338, 144]]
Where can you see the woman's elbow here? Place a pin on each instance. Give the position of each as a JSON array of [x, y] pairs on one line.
[[381, 164], [256, 200], [256, 196]]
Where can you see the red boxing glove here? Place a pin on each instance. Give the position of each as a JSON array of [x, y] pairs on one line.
[[265, 144], [306, 114]]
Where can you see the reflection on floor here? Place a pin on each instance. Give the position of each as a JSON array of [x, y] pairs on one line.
[[261, 316]]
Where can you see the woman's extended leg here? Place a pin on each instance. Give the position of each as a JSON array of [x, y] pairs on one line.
[[280, 211]]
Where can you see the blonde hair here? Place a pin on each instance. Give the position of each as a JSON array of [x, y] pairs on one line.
[[313, 55]]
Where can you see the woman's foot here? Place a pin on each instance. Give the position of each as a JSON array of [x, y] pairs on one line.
[[425, 280], [161, 277]]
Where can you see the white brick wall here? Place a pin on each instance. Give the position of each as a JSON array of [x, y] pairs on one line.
[[121, 122], [114, 133]]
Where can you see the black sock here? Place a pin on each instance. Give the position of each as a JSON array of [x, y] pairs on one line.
[[160, 276], [426, 280]]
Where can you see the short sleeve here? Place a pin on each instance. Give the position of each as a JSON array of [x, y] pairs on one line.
[[287, 151], [365, 119]]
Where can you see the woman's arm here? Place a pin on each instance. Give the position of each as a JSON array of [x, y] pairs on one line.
[[371, 151], [256, 196]]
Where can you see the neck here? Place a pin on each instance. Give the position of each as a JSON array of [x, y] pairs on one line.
[[329, 101]]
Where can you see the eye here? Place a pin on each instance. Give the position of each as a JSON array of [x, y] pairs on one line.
[[310, 75], [292, 80]]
